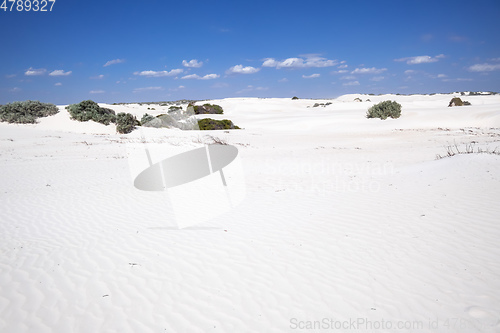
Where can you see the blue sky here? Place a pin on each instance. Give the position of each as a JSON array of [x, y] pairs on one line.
[[127, 51]]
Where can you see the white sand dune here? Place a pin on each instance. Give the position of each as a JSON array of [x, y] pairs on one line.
[[347, 224]]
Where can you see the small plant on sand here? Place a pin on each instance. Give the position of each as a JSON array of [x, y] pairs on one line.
[[125, 123], [452, 150], [90, 110], [212, 124], [385, 109], [146, 117], [456, 101], [207, 109], [26, 112], [210, 140]]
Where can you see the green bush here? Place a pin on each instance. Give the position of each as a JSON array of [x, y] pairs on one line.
[[174, 108], [125, 122], [145, 118], [385, 109], [90, 110], [212, 124], [294, 98], [207, 109], [26, 112]]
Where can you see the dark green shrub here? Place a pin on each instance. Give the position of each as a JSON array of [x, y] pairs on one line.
[[294, 98], [218, 109], [90, 110], [174, 108], [125, 122], [212, 124], [207, 109], [26, 112], [385, 109], [145, 118]]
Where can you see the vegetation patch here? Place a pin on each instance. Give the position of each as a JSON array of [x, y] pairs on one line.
[[90, 110], [384, 110], [469, 149], [26, 112], [457, 101], [212, 124], [207, 109], [174, 108], [145, 118], [125, 122]]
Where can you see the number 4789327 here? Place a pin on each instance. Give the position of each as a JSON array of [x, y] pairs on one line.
[[27, 5]]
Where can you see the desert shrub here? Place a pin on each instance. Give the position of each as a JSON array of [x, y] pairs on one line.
[[456, 101], [207, 109], [174, 108], [26, 112], [218, 109], [212, 124], [467, 103], [145, 118], [453, 150], [125, 122], [357, 99], [385, 109], [294, 98], [90, 110]]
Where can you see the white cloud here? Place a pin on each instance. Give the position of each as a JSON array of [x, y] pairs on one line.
[[377, 78], [342, 71], [173, 72], [60, 72], [220, 85], [58, 84], [113, 62], [372, 70], [171, 89], [192, 63], [239, 69], [192, 76], [312, 76], [15, 89], [269, 62], [197, 77], [352, 83], [343, 66], [484, 67], [98, 77], [96, 92], [457, 80], [309, 61], [32, 72], [421, 59], [136, 90], [348, 77], [251, 88], [410, 72], [442, 76], [10, 76], [283, 80]]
